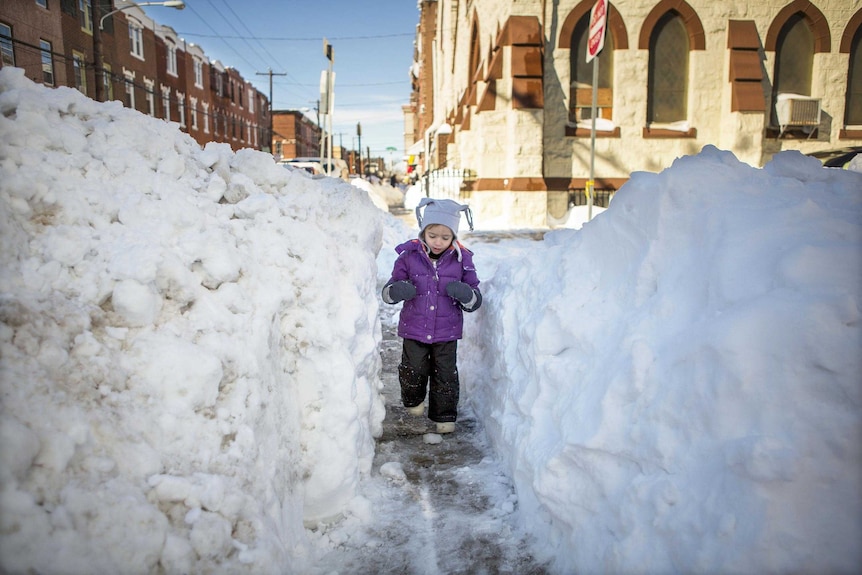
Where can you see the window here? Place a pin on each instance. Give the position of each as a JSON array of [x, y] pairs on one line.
[[166, 102], [199, 73], [218, 83], [172, 58], [47, 63], [136, 40], [794, 59], [251, 100], [194, 112], [42, 3], [107, 78], [667, 83], [149, 89], [85, 9], [79, 71], [7, 52], [181, 108], [581, 87], [853, 106], [206, 113], [129, 81]]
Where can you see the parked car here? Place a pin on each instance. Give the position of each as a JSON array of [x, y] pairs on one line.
[[337, 169], [313, 168], [838, 158]]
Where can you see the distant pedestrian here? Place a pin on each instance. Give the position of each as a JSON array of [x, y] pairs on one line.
[[435, 278]]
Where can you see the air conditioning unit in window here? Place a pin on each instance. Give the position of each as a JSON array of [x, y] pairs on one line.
[[794, 110]]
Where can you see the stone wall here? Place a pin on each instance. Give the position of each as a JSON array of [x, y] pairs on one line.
[[526, 153]]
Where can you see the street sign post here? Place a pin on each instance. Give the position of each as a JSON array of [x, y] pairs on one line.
[[595, 43], [598, 23], [327, 97]]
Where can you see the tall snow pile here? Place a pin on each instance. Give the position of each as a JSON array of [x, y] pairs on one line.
[[678, 386], [189, 344]]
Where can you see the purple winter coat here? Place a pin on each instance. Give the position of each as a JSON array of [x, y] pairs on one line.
[[432, 316]]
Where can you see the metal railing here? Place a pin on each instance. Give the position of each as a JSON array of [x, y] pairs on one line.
[[446, 182], [601, 198]]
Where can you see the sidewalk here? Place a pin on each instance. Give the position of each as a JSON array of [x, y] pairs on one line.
[[443, 507]]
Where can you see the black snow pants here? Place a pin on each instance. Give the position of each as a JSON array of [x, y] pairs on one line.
[[437, 361]]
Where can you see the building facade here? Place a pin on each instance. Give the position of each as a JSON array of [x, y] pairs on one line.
[[294, 135], [510, 92], [145, 65]]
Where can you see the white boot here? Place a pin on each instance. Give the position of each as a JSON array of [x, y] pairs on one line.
[[416, 409], [445, 427]]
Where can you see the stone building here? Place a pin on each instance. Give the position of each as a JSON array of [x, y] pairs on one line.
[[502, 94], [145, 65]]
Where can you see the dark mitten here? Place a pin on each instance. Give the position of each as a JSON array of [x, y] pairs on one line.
[[402, 291], [460, 291]]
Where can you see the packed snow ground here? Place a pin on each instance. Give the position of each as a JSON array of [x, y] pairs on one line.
[[191, 380]]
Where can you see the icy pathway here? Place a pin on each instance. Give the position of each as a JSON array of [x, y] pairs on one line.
[[436, 508]]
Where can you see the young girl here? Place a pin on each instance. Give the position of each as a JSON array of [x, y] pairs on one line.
[[435, 278]]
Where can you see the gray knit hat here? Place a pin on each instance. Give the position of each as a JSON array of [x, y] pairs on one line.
[[445, 212]]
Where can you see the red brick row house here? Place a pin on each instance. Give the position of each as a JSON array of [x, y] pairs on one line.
[[145, 65]]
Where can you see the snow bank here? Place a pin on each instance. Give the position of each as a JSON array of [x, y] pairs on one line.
[[676, 387], [383, 195], [189, 345]]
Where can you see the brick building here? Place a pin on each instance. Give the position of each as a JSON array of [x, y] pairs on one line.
[[294, 135], [146, 66]]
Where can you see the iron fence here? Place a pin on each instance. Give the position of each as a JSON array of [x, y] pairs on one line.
[[446, 182]]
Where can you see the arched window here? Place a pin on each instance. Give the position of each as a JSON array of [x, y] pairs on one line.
[[853, 105], [794, 57], [667, 88], [581, 86]]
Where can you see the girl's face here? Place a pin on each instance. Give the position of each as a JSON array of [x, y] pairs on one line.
[[438, 237]]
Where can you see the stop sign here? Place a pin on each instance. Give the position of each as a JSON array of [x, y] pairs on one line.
[[598, 21]]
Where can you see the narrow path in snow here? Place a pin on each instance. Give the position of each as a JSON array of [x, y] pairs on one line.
[[438, 508]]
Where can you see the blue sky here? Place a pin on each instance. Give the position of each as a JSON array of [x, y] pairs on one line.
[[372, 39]]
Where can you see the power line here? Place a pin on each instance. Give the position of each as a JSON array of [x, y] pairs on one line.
[[217, 35], [399, 83], [288, 39], [244, 25], [229, 22], [226, 43]]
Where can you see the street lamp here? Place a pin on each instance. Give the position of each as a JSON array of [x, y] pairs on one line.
[[178, 4], [97, 37]]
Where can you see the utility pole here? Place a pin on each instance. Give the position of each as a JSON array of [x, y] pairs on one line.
[[359, 135], [270, 73]]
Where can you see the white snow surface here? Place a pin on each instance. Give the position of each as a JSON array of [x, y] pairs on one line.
[[677, 387], [189, 340], [190, 377]]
